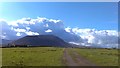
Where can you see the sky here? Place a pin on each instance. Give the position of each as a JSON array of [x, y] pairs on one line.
[[80, 23], [98, 15]]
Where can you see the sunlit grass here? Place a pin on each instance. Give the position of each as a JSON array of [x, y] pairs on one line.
[[104, 57], [51, 56], [0, 57], [37, 56]]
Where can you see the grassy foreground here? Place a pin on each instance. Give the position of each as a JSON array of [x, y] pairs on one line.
[[101, 57], [51, 56], [0, 57], [36, 56]]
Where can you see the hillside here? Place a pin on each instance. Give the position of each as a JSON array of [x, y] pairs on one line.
[[41, 40]]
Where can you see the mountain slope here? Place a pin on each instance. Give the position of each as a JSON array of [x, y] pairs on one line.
[[41, 40]]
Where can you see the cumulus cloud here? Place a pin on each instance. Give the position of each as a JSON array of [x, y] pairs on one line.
[[18, 34], [31, 33], [55, 21], [38, 26], [19, 30], [103, 38], [6, 32], [74, 43], [68, 29], [86, 37], [48, 30]]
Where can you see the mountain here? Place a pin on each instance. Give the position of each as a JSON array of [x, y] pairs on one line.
[[40, 40]]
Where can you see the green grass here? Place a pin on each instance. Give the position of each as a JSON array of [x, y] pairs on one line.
[[51, 56], [102, 57], [0, 57], [36, 56]]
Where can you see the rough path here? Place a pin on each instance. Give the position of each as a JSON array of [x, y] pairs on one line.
[[74, 59], [68, 59]]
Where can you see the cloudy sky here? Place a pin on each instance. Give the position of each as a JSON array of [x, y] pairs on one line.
[[82, 23]]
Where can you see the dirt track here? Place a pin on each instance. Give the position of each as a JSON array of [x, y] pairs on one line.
[[74, 59]]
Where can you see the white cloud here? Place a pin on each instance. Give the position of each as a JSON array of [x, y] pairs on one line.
[[19, 30], [13, 23], [6, 32], [41, 19], [55, 21], [74, 43], [2, 20], [68, 29], [97, 37], [26, 26], [18, 34], [86, 37], [2, 37], [49, 30], [31, 33]]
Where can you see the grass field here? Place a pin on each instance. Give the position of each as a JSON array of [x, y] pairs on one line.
[[37, 56], [0, 57], [104, 57], [51, 56]]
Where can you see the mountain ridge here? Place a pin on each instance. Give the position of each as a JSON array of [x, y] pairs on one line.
[[40, 40]]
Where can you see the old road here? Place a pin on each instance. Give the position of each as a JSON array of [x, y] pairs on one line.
[[72, 58]]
